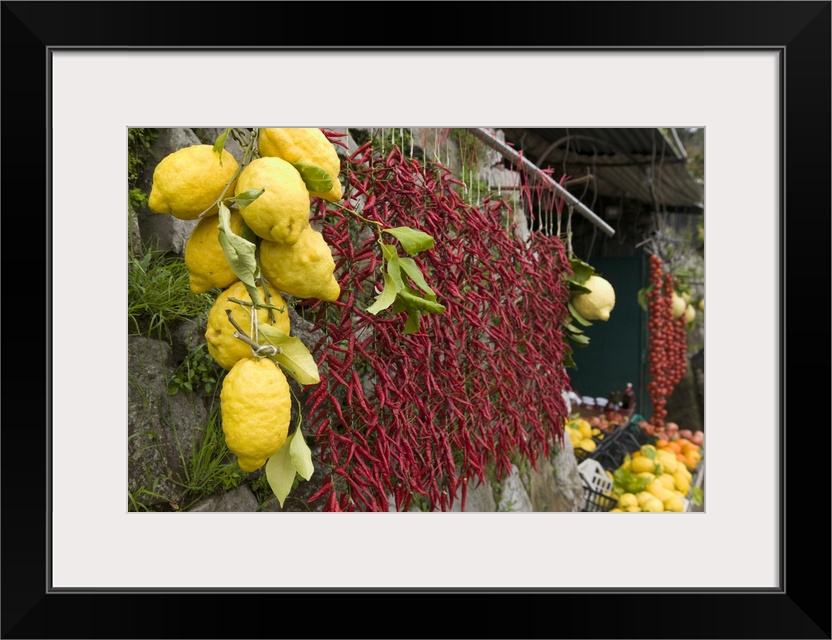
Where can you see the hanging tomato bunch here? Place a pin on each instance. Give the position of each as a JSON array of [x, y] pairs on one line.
[[667, 347]]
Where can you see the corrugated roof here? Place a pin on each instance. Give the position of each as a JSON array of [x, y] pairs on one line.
[[642, 163]]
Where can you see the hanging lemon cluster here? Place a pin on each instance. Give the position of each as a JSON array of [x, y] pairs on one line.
[[254, 241]]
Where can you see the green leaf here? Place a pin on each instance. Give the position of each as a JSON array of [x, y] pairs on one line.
[[389, 251], [577, 316], [301, 455], [642, 296], [316, 179], [246, 197], [240, 253], [386, 297], [219, 143], [573, 329], [410, 267], [395, 272], [577, 287], [280, 472], [581, 270], [412, 240], [413, 301], [581, 340], [414, 318], [294, 357], [697, 496], [568, 362]]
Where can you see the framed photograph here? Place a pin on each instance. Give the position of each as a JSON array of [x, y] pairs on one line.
[[754, 75]]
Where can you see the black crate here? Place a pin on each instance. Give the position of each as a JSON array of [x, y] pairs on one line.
[[594, 500], [583, 454], [616, 448]]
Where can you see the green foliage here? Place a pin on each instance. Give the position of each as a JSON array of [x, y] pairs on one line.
[[198, 372], [139, 142], [159, 294], [211, 468]]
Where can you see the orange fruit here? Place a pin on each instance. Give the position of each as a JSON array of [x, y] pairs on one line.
[[674, 446]]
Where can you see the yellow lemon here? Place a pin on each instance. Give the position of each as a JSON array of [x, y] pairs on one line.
[[644, 496], [204, 256], [633, 509], [627, 500], [187, 182], [674, 503], [648, 450], [222, 345], [682, 482], [308, 145], [678, 306], [304, 269], [658, 490], [690, 314], [597, 304], [667, 460], [667, 481], [653, 505], [281, 213], [587, 444], [616, 510], [585, 427], [256, 409], [702, 305], [642, 464]]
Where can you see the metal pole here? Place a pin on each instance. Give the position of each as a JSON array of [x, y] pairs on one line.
[[511, 154]]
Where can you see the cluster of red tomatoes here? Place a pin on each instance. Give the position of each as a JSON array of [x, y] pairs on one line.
[[667, 347]]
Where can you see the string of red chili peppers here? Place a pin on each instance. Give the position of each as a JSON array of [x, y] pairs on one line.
[[399, 416], [667, 347]]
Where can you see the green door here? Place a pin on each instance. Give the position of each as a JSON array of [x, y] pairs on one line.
[[616, 351]]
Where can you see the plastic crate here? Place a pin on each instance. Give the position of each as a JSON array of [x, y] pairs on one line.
[[597, 486]]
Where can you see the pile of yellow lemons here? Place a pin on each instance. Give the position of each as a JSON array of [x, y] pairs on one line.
[[666, 481], [581, 434]]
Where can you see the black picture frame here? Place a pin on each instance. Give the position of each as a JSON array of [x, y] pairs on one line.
[[800, 608]]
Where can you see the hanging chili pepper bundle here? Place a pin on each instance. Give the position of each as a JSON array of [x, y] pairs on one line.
[[417, 416]]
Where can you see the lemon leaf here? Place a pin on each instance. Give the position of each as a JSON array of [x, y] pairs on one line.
[[280, 472], [300, 455], [581, 270], [386, 297], [577, 287], [389, 251], [568, 361], [394, 269], [315, 178], [578, 317], [414, 318], [573, 329], [294, 357], [219, 143], [643, 295], [410, 267], [412, 240], [247, 197], [239, 252], [697, 496], [579, 339], [413, 301]]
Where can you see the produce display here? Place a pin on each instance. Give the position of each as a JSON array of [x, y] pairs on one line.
[[656, 478], [634, 466]]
